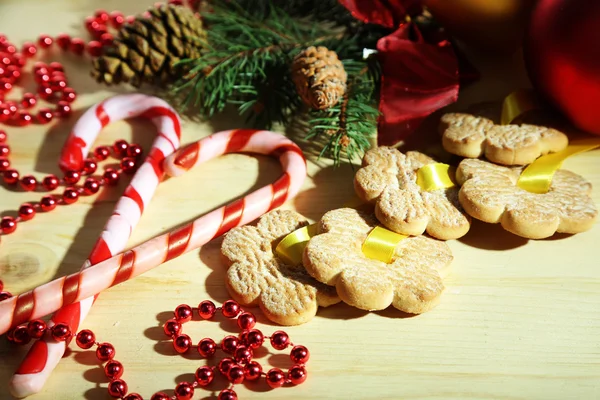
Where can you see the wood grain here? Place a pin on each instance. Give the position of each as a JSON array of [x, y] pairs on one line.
[[519, 319]]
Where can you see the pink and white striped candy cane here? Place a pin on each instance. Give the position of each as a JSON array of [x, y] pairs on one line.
[[122, 267], [46, 353]]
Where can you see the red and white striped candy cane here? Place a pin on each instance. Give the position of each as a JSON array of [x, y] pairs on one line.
[[46, 353], [122, 267]]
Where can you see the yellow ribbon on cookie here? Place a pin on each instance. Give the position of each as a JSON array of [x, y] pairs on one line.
[[291, 247], [434, 176], [537, 177], [517, 103], [381, 243]]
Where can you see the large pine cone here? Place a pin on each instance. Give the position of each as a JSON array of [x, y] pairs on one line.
[[147, 49], [319, 76]]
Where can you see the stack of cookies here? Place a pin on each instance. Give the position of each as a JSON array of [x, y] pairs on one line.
[[334, 266]]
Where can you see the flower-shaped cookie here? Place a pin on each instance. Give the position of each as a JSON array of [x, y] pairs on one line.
[[471, 136], [490, 193], [256, 276], [412, 282], [388, 178]]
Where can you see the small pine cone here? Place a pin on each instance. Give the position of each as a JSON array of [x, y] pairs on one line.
[[319, 76], [148, 49], [344, 141]]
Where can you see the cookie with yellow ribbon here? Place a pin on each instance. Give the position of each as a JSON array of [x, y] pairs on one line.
[[496, 194], [410, 279], [473, 136], [412, 193], [258, 276]]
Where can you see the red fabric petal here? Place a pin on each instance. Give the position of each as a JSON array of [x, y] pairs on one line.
[[418, 78], [389, 13]]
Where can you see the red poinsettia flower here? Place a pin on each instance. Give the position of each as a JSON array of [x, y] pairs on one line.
[[418, 76]]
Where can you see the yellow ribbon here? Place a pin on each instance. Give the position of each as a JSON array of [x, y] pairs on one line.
[[434, 176], [517, 103], [292, 246], [381, 243], [537, 177]]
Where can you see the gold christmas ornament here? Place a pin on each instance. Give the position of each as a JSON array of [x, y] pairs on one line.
[[148, 49], [319, 76]]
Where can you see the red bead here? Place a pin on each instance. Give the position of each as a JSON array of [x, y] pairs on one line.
[[5, 295], [10, 49], [8, 225], [106, 39], [235, 374], [63, 109], [40, 67], [13, 73], [110, 176], [255, 338], [244, 337], [36, 328], [102, 16], [60, 332], [11, 176], [70, 196], [184, 391], [23, 118], [172, 328], [91, 186], [26, 212], [130, 19], [29, 100], [56, 66], [227, 394], [275, 378], [207, 309], [242, 354], [28, 49], [160, 396], [182, 344], [117, 388], [77, 46], [45, 41], [105, 352], [90, 22], [252, 371], [204, 375], [4, 150], [128, 165], [28, 183], [71, 177], [50, 182], [48, 203], [19, 60], [45, 92], [299, 355], [183, 313], [89, 166], [134, 151], [229, 344], [3, 136], [98, 31], [94, 48], [120, 148], [21, 336], [4, 164], [280, 340], [113, 369], [246, 320], [58, 84], [225, 364], [85, 339], [44, 115], [117, 19], [63, 40], [101, 153], [5, 113], [230, 309], [297, 374], [207, 347], [133, 396]]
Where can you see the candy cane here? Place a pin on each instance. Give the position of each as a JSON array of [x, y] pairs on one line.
[[122, 267], [46, 353]]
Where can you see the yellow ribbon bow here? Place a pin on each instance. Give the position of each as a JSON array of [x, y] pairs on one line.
[[434, 176]]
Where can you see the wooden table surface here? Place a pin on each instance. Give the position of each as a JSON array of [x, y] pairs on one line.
[[519, 319]]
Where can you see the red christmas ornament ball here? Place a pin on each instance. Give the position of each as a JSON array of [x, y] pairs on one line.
[[563, 58]]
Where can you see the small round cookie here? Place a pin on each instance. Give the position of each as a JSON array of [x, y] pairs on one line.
[[388, 179], [472, 136], [412, 282], [490, 193], [285, 293]]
